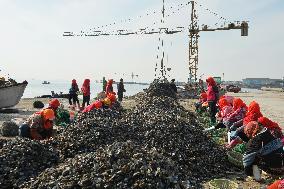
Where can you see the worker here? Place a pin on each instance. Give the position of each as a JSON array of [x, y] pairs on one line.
[[273, 127], [120, 90], [202, 99], [225, 109], [39, 126], [263, 151], [252, 114], [173, 85], [104, 84], [73, 94], [212, 98], [86, 92], [109, 87], [238, 113]]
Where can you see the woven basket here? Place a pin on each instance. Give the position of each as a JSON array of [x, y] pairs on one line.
[[222, 184], [235, 158]]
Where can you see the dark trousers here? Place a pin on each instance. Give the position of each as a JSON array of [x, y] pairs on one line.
[[86, 99], [24, 131], [120, 96], [74, 98], [212, 111]]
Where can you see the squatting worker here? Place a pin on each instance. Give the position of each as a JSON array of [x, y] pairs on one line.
[[39, 126]]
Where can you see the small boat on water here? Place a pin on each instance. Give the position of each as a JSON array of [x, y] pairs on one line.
[[45, 82], [11, 93]]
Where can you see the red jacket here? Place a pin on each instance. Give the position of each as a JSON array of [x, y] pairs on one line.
[[86, 88], [210, 94]]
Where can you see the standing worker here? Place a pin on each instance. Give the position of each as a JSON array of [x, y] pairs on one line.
[[109, 88], [39, 126], [86, 92], [173, 85], [120, 90], [104, 84], [212, 98], [73, 94]]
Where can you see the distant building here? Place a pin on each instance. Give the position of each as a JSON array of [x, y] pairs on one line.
[[260, 82]]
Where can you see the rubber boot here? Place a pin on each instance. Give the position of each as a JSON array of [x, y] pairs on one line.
[[256, 173]]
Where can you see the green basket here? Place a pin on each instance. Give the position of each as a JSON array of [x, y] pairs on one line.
[[235, 158], [222, 184]]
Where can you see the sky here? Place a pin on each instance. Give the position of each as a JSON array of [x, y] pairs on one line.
[[32, 45]]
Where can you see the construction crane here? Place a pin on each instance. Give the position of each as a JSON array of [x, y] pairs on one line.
[[194, 31]]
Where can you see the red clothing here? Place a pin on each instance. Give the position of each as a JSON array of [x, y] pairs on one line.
[[222, 103], [238, 103], [278, 184], [210, 94], [203, 97], [225, 112], [86, 88], [210, 81], [109, 88], [89, 108], [273, 127], [253, 113]]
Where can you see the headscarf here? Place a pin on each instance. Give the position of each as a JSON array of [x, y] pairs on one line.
[[110, 82], [253, 113], [54, 104], [74, 81], [268, 123], [238, 103], [86, 82], [222, 103], [252, 129], [210, 81], [48, 116]]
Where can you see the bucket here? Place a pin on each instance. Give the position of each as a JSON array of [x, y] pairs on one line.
[[222, 184]]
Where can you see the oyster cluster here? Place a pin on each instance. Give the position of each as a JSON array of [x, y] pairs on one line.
[[9, 129], [21, 159], [157, 144]]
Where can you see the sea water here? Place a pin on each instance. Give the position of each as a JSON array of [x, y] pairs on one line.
[[36, 88]]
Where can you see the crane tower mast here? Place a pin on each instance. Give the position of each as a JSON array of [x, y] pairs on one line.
[[193, 45]]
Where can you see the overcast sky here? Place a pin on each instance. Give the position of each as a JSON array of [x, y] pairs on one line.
[[32, 45]]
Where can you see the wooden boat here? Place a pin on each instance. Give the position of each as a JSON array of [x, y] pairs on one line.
[[10, 95]]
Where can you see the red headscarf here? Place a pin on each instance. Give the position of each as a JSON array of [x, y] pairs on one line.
[[268, 123], [74, 81], [238, 103], [253, 113], [223, 102], [54, 104], [86, 87], [210, 81], [252, 129]]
